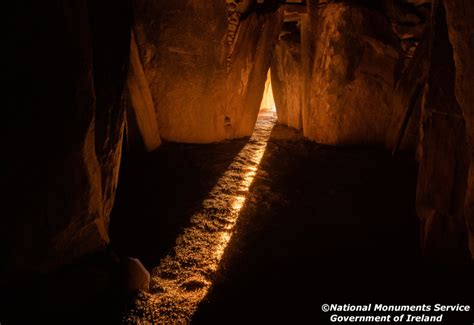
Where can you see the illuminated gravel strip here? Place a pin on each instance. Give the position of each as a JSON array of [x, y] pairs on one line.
[[183, 278]]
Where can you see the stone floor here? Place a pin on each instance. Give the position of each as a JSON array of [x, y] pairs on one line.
[[267, 229]]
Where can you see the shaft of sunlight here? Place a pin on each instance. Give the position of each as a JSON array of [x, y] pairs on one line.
[[184, 277]]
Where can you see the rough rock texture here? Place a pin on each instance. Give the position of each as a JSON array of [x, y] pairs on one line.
[[308, 23], [287, 80], [184, 51], [141, 102], [414, 75], [250, 63], [443, 165], [356, 63], [182, 47], [235, 10], [461, 27], [409, 20], [64, 128]]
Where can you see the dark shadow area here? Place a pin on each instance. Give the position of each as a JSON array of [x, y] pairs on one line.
[[90, 291], [328, 225], [158, 192]]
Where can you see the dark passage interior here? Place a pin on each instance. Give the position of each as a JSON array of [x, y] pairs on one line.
[[359, 224], [238, 162]]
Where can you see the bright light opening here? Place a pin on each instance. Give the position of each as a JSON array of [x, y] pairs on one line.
[[268, 101]]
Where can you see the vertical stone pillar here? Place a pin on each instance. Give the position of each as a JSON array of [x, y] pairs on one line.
[[443, 165], [459, 15], [305, 68]]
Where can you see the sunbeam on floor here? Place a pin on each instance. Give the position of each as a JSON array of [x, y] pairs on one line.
[[184, 277]]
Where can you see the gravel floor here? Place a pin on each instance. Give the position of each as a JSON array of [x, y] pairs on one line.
[[232, 240]]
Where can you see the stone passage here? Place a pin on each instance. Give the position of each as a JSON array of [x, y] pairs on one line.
[[136, 149]]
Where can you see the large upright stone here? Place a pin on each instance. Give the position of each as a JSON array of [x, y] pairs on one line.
[[405, 93], [356, 63], [461, 34], [200, 96], [182, 48], [288, 81], [64, 132], [444, 163], [250, 63], [141, 102]]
